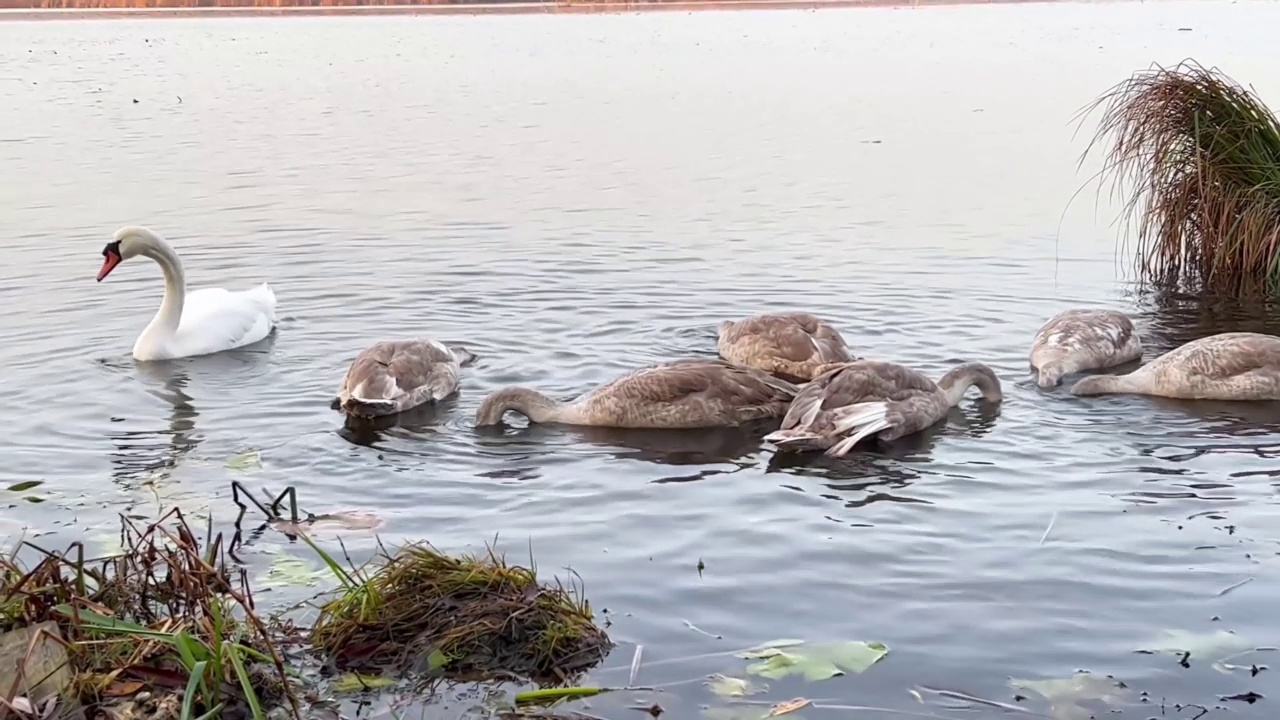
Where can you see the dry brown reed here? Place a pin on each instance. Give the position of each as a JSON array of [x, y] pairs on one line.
[[474, 617], [1199, 159], [163, 616]]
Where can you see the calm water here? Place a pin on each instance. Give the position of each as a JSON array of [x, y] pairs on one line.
[[575, 196]]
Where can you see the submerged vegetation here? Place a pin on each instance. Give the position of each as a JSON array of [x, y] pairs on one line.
[[167, 628], [1201, 157]]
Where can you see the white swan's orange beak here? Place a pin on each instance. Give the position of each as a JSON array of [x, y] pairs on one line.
[[108, 264]]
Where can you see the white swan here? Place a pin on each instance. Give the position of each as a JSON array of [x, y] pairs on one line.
[[201, 322]]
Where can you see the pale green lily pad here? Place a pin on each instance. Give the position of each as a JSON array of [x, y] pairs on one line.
[[355, 682], [245, 460], [106, 543], [764, 650], [289, 570], [783, 664], [1066, 694], [1216, 645], [726, 686], [818, 661]]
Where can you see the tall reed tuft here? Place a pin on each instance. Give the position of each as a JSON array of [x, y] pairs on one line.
[[1200, 156]]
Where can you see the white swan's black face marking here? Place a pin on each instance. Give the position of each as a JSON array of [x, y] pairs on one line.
[[111, 258]]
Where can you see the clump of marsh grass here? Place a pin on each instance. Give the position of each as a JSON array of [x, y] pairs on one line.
[[471, 616], [162, 616], [1202, 156]]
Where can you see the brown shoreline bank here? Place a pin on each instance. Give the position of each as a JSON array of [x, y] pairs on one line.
[[133, 9]]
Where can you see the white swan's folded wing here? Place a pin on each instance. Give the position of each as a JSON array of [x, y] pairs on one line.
[[215, 319]]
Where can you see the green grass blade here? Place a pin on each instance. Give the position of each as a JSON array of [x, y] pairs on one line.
[[189, 697], [334, 567], [250, 652], [215, 609], [191, 649], [233, 653], [102, 620], [216, 712], [554, 694], [124, 629]]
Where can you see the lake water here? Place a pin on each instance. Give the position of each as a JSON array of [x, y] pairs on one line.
[[572, 197]]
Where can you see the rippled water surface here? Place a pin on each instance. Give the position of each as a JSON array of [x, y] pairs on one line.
[[575, 196]]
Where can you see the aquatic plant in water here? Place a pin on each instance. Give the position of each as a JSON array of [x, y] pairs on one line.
[[420, 609], [1201, 155], [816, 661]]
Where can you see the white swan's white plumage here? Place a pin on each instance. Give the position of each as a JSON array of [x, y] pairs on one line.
[[200, 322]]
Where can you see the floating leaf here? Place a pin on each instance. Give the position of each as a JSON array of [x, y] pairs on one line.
[[343, 520], [726, 686], [818, 661], [783, 664], [289, 570], [107, 543], [1216, 645], [33, 499], [245, 461], [25, 485], [854, 657], [1066, 694], [764, 650], [355, 682], [1227, 668], [436, 659], [788, 706]]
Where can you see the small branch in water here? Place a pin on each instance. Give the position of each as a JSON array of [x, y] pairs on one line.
[[859, 707], [966, 697], [1226, 590], [1052, 519], [635, 665], [1203, 710], [697, 629]]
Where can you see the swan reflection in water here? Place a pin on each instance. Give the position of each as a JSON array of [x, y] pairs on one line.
[[894, 465], [1169, 319], [1163, 426], [414, 423], [143, 456], [731, 446], [737, 447]]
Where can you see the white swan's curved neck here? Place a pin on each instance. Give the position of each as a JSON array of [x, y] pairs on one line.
[[164, 325]]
